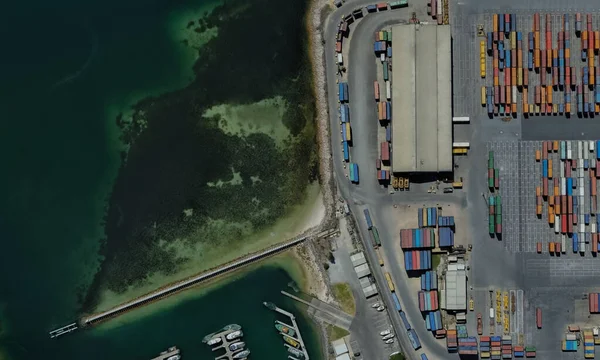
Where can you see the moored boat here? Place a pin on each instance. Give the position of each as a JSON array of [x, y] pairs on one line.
[[214, 341], [284, 329], [237, 346], [296, 353], [241, 354], [291, 341], [234, 335]]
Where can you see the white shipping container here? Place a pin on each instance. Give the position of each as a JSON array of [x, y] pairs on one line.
[[582, 247], [563, 247], [514, 94], [439, 8], [569, 154], [569, 146], [464, 144], [582, 230], [388, 90], [461, 119], [562, 168], [582, 219], [563, 186], [339, 59], [580, 149], [580, 182], [586, 150], [382, 57], [556, 224], [593, 163], [593, 225], [592, 145]]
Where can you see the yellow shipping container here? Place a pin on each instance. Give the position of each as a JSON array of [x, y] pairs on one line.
[[379, 257], [555, 108], [513, 40], [495, 62], [348, 132], [483, 93], [514, 108], [388, 277], [567, 53], [536, 40], [482, 68], [549, 94], [508, 95], [584, 35], [531, 109], [537, 109], [482, 48], [496, 81], [549, 168], [597, 40]]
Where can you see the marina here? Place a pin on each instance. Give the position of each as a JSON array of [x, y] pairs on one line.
[[291, 336], [171, 354], [228, 339]]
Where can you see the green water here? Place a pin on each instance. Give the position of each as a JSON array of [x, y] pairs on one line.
[[77, 220]]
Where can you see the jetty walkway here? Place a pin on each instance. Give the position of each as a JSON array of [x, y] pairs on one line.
[[293, 327], [174, 288]]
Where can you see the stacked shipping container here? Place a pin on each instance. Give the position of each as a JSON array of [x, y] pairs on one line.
[[593, 303], [429, 280], [417, 260], [417, 238], [446, 237], [427, 217], [428, 301], [484, 347]]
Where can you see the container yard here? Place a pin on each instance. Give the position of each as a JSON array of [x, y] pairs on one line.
[[382, 47], [541, 65]]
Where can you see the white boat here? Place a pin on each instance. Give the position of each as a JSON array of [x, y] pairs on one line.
[[241, 354], [174, 357], [234, 335], [385, 332], [297, 353], [376, 305], [214, 341], [381, 308], [389, 341], [237, 346], [388, 336]]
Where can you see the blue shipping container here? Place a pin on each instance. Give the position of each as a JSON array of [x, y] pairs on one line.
[[342, 113], [513, 23], [404, 320], [341, 91], [575, 243], [368, 219], [414, 339], [424, 357], [388, 134], [389, 52], [346, 152], [346, 92], [388, 108], [396, 302]]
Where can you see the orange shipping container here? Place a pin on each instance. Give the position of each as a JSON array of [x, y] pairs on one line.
[[508, 95], [543, 96], [567, 53], [536, 40], [514, 108], [557, 205], [495, 22], [513, 80], [551, 247], [537, 158], [538, 55], [555, 146], [549, 58], [549, 94], [593, 185], [592, 76], [597, 40], [597, 107], [538, 190], [549, 168], [550, 203], [568, 107]]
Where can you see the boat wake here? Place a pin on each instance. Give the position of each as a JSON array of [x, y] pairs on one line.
[[69, 78]]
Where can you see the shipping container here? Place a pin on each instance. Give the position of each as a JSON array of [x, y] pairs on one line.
[[346, 151], [385, 151], [396, 302], [368, 218], [376, 89], [390, 283]]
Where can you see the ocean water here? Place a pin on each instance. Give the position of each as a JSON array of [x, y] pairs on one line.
[[85, 85]]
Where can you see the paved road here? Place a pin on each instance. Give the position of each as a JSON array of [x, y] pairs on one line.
[[361, 74]]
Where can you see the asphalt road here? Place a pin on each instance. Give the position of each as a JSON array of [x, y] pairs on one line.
[[361, 66]]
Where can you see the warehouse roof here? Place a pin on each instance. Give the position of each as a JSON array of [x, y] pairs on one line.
[[358, 259], [370, 290], [421, 99], [362, 270], [456, 287], [339, 347]]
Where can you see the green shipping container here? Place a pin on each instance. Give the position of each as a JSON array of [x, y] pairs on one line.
[[530, 348], [496, 174], [376, 236], [385, 71], [498, 200], [498, 218], [491, 224], [490, 182], [499, 209], [352, 172], [491, 160], [397, 4]]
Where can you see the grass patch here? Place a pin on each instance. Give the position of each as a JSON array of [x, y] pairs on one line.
[[435, 260], [343, 295], [335, 333], [397, 357]]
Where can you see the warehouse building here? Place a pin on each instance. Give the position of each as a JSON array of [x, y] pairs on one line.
[[421, 99], [456, 287]]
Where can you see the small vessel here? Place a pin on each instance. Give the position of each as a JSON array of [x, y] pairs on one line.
[[388, 336], [385, 332], [269, 305], [376, 305], [390, 341], [292, 358], [230, 327], [284, 329], [381, 308], [237, 346], [214, 341], [174, 357], [291, 341], [234, 335], [295, 352], [241, 354]]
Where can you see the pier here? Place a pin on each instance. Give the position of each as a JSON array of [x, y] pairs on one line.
[[224, 343], [172, 351], [63, 330], [294, 327], [170, 290]]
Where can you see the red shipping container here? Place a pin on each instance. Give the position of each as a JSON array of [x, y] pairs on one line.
[[378, 164], [545, 190], [497, 182], [376, 89], [385, 151], [567, 168], [563, 223], [557, 247], [570, 204], [573, 76], [338, 47], [591, 302], [415, 260], [568, 76], [573, 164], [594, 207], [573, 219], [536, 22], [569, 228], [538, 318]]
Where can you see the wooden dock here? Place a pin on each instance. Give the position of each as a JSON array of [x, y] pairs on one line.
[[172, 351], [294, 327]]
